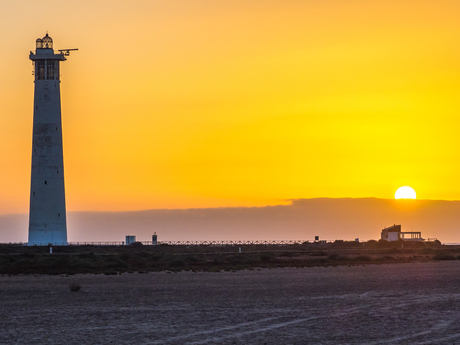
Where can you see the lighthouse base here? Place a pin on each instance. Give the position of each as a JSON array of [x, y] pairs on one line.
[[46, 238]]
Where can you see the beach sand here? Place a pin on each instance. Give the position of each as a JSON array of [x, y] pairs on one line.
[[417, 303]]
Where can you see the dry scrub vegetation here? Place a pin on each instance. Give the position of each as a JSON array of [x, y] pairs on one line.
[[113, 260]]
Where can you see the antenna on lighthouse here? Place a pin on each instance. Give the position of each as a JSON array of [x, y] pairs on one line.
[[66, 52]]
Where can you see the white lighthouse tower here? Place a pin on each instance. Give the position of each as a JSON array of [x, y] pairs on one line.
[[47, 217]]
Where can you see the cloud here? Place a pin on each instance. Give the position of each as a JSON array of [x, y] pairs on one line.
[[302, 220]]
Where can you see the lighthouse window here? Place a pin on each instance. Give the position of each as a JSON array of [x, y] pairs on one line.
[[59, 214], [46, 182], [34, 193], [40, 70], [50, 74], [58, 171]]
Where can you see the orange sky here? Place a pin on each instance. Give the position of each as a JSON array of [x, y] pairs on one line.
[[177, 104]]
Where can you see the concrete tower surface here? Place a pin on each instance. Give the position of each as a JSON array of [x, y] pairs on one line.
[[47, 216]]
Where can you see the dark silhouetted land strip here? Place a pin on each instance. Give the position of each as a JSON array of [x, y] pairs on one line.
[[112, 260]]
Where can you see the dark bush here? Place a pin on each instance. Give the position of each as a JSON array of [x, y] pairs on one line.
[[177, 263], [444, 256], [62, 262], [218, 260], [318, 254], [124, 256], [363, 258], [156, 257], [237, 259], [427, 251], [318, 261], [24, 262], [338, 257], [88, 256], [111, 273], [249, 260], [265, 257], [116, 263]]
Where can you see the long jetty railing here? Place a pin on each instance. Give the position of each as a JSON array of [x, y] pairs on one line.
[[181, 243], [199, 243]]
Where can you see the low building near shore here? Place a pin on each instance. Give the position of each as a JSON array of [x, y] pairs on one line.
[[130, 239], [394, 233]]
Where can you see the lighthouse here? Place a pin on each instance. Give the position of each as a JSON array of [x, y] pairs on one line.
[[47, 216]]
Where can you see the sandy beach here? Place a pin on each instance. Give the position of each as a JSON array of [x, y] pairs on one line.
[[417, 303]]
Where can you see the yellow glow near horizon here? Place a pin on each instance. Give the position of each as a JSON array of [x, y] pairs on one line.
[[237, 103], [405, 193]]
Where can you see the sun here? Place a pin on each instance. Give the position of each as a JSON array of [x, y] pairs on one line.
[[405, 193]]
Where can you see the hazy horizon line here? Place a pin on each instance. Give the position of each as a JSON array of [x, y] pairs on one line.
[[240, 207]]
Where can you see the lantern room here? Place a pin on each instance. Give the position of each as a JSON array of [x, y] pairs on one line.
[[44, 43]]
